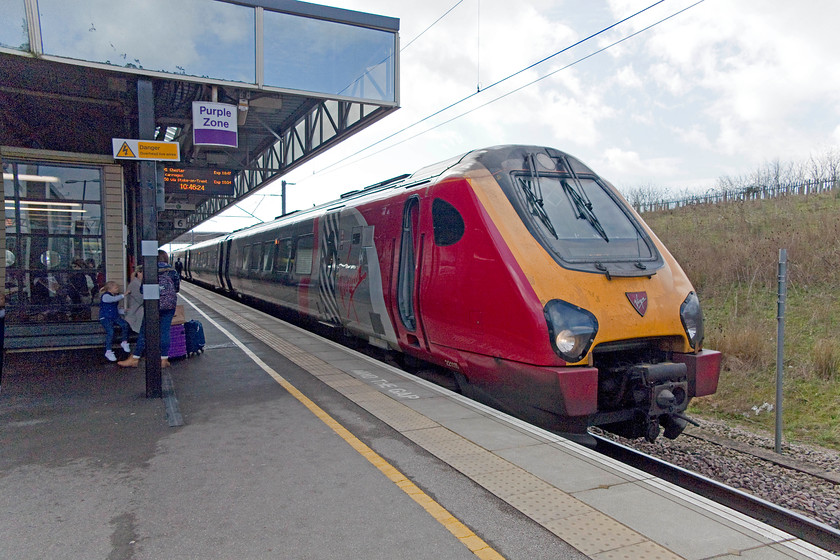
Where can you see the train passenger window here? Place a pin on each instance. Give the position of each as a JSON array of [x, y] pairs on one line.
[[256, 256], [243, 260], [447, 222], [268, 255], [284, 255], [303, 255]]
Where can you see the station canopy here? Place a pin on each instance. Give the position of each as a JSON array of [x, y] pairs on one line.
[[301, 76]]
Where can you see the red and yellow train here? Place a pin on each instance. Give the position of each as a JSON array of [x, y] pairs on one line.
[[515, 268]]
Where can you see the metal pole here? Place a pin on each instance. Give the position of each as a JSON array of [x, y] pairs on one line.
[[283, 185], [780, 343], [149, 243], [283, 198]]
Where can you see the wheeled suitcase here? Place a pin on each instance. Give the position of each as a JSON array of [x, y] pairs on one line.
[[177, 342], [194, 335]]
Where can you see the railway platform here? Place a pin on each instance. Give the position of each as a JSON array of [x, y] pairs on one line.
[[275, 443]]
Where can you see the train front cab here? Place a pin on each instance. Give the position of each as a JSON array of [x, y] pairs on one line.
[[496, 329]]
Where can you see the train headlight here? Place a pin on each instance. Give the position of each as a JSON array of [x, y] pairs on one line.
[[571, 328], [692, 319]]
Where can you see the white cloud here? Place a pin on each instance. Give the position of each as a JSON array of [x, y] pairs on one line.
[[627, 77], [694, 136], [620, 164], [758, 64], [670, 78]]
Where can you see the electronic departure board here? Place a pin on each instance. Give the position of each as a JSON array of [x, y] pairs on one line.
[[198, 180]]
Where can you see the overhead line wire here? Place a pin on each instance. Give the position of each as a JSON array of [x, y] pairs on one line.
[[439, 111], [432, 25]]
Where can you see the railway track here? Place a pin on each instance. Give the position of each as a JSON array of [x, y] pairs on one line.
[[808, 530]]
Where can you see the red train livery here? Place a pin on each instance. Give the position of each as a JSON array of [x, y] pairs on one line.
[[516, 268]]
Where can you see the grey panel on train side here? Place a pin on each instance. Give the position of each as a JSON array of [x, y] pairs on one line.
[[349, 278]]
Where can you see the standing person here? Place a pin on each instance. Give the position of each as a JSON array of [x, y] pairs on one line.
[[2, 334], [170, 285], [134, 300], [179, 267], [80, 285], [78, 282], [90, 264], [109, 315]]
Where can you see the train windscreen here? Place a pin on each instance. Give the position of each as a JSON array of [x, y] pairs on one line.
[[581, 222]]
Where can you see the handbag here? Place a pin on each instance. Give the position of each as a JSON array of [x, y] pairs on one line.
[[179, 318]]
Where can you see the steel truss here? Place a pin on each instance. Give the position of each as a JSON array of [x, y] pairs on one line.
[[324, 124]]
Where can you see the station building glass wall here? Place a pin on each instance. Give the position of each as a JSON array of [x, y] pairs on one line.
[[54, 239]]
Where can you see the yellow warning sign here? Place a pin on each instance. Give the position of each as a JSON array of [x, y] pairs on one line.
[[125, 151], [126, 148], [158, 150]]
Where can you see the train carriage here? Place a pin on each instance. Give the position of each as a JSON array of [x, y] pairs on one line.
[[516, 268]]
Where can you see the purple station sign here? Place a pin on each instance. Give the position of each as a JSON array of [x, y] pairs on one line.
[[214, 124]]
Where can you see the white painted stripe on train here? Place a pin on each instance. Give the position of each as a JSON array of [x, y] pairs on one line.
[[329, 232]]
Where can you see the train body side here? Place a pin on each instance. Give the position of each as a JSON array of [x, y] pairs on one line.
[[447, 271]]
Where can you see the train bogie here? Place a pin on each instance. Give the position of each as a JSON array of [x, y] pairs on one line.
[[516, 268]]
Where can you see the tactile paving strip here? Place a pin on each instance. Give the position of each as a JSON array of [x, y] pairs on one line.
[[647, 550], [549, 505], [512, 482], [444, 443], [594, 532], [395, 414], [472, 464]]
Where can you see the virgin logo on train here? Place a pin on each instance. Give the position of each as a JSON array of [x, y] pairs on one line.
[[639, 301]]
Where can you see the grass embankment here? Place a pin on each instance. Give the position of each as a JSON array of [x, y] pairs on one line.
[[731, 251]]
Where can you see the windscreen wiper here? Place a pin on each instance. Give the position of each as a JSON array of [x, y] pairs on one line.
[[583, 209], [534, 196]]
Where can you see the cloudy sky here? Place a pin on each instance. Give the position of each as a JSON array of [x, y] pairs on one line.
[[719, 89]]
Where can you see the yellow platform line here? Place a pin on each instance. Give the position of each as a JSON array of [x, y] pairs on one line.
[[461, 532]]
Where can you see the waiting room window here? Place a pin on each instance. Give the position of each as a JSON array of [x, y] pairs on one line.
[[54, 241]]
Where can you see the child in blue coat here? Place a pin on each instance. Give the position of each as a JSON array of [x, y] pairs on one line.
[[109, 315]]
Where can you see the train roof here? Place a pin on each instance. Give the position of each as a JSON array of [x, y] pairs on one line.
[[423, 175], [419, 177]]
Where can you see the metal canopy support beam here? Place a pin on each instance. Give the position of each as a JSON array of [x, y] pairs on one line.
[[326, 123], [149, 235]]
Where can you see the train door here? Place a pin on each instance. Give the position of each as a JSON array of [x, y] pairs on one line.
[[224, 264], [410, 261], [187, 261]]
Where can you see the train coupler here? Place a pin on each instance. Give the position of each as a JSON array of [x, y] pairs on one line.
[[667, 387]]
